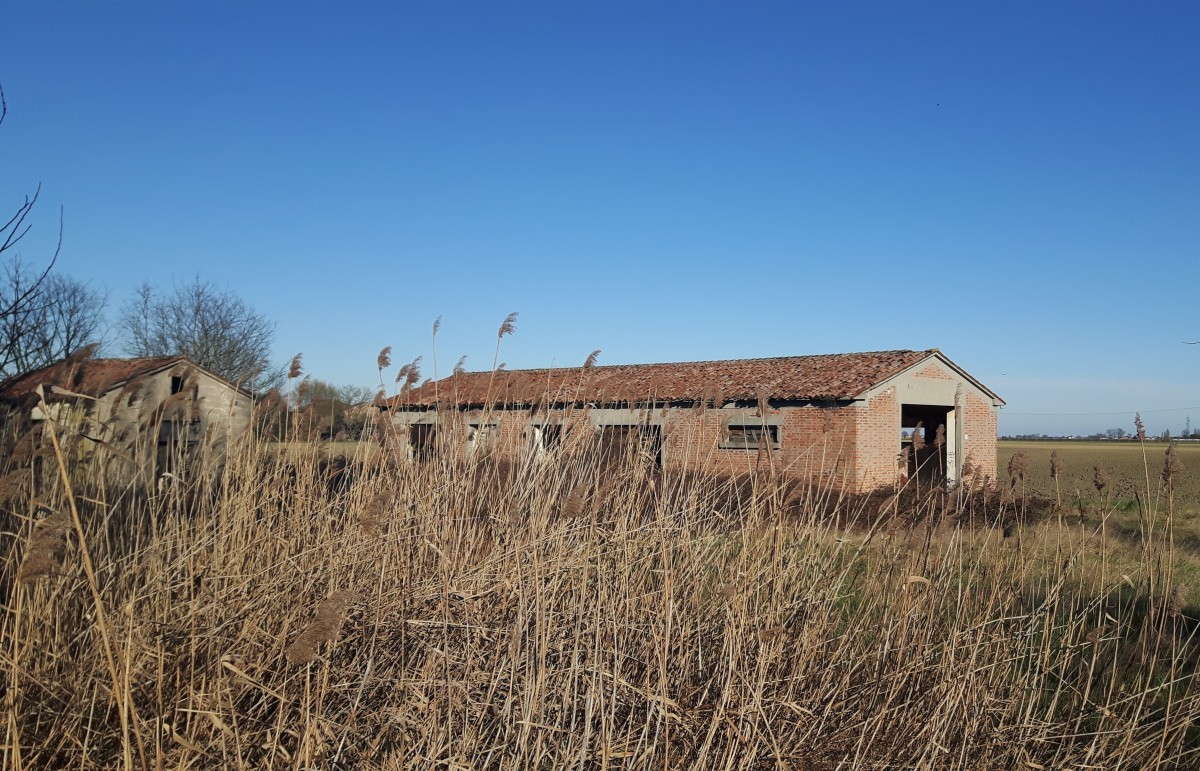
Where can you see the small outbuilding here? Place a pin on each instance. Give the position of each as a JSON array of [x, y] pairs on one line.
[[164, 404], [858, 421]]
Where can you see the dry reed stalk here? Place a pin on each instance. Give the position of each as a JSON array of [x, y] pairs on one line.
[[674, 628], [125, 708]]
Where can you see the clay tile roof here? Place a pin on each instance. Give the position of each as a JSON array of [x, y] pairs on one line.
[[91, 377], [829, 376]]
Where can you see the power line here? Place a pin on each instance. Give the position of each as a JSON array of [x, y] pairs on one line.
[[1095, 414]]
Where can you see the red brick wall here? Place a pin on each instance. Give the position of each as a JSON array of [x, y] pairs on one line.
[[878, 441], [979, 431], [852, 447], [814, 442], [934, 371]]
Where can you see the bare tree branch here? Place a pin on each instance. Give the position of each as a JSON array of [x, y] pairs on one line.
[[23, 308], [60, 318]]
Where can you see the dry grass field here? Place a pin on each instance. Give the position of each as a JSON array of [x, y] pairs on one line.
[[1134, 495], [1127, 462], [467, 615]]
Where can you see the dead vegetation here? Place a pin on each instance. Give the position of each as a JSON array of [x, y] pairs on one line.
[[575, 612]]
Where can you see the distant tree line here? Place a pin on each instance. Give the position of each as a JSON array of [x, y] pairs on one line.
[[1110, 434], [317, 409]]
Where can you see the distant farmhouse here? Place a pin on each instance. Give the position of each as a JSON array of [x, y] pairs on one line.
[[164, 403], [846, 418]]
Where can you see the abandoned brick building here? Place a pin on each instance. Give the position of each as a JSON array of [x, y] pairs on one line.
[[162, 404], [846, 418]]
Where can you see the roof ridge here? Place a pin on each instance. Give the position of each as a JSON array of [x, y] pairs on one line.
[[811, 376], [702, 361], [108, 372]]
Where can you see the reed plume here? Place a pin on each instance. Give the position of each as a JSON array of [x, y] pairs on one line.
[[1172, 466], [409, 374], [324, 627], [384, 359], [1018, 467], [1056, 466], [1056, 471], [508, 326], [969, 469], [295, 370], [13, 486], [46, 546]]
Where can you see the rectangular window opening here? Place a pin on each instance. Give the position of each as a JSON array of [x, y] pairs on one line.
[[750, 437]]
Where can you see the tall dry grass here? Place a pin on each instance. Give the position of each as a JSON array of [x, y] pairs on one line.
[[575, 612]]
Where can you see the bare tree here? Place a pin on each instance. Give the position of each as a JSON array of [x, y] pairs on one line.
[[212, 327], [50, 318]]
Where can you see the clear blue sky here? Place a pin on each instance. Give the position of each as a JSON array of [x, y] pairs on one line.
[[1017, 184]]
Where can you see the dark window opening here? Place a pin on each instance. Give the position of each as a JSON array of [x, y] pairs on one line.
[[624, 443], [548, 436], [423, 441], [750, 437], [176, 385]]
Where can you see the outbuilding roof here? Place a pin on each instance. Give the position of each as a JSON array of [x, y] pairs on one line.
[[90, 377], [836, 376]]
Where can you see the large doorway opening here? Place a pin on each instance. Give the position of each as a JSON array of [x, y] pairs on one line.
[[928, 443]]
